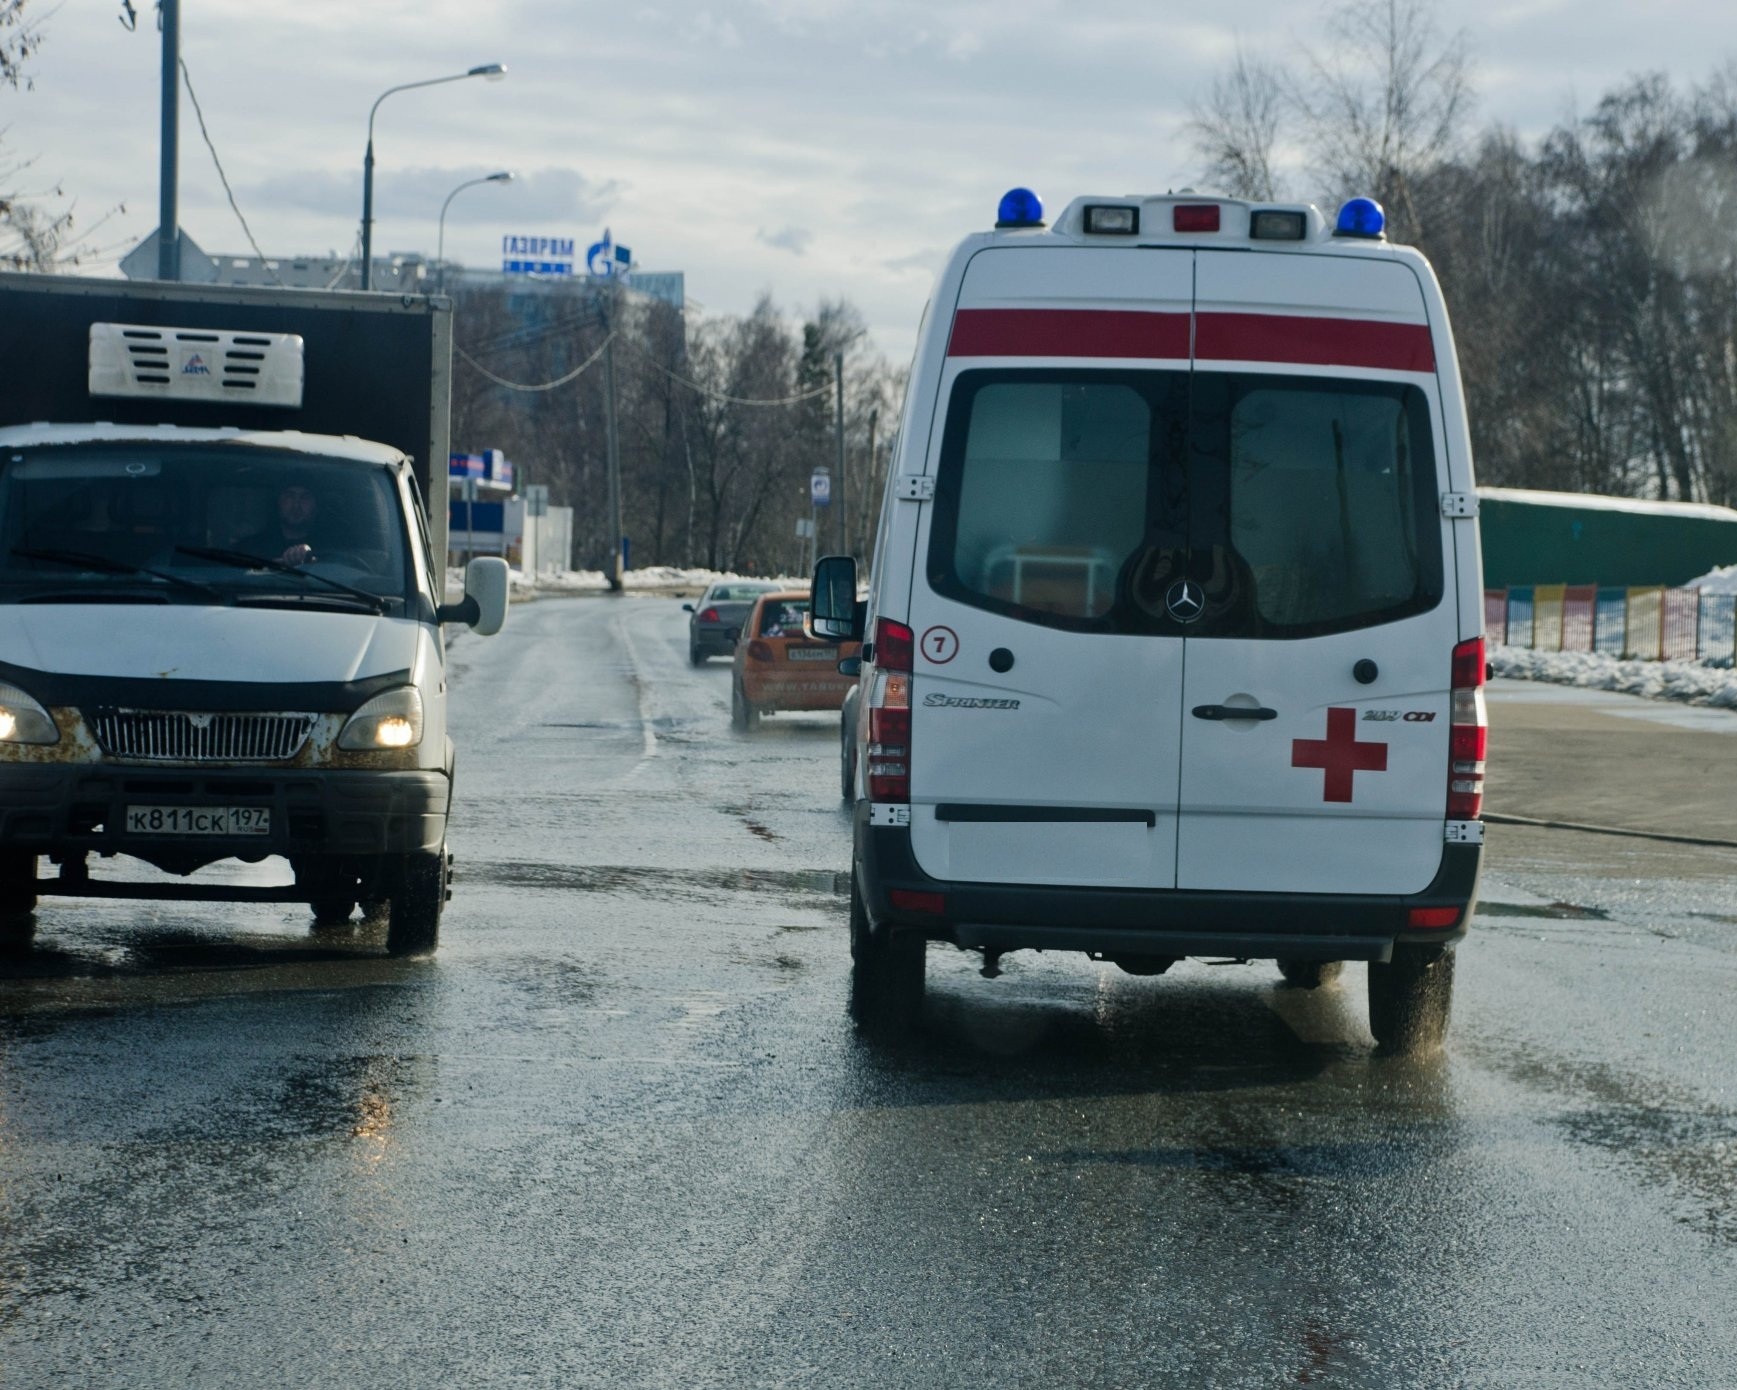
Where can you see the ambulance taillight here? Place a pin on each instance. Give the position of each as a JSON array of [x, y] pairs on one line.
[[1468, 733], [888, 763]]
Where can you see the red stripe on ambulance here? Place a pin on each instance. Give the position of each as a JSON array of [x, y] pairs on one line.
[[1068, 333], [1304, 340], [1315, 342]]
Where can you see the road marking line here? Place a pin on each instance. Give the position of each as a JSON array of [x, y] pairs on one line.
[[641, 688]]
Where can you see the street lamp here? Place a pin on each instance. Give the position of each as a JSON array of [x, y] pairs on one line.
[[504, 176], [494, 72]]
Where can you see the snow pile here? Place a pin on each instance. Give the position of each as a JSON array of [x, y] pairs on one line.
[[1688, 681], [653, 579], [1720, 581]]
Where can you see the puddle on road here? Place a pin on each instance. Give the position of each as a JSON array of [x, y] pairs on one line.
[[1561, 912], [667, 883]]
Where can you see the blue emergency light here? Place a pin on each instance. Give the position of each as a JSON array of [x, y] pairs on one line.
[[1020, 207], [1361, 217]]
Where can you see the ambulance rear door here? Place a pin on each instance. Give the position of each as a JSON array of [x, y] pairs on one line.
[[1045, 711], [1316, 697]]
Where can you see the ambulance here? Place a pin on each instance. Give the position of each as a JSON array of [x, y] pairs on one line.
[[1173, 637]]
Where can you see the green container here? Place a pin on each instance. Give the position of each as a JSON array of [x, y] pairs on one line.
[[1580, 538]]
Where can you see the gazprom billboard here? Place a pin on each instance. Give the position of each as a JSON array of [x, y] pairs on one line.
[[537, 255]]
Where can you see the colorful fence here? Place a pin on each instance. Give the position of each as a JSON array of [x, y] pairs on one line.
[[1650, 624]]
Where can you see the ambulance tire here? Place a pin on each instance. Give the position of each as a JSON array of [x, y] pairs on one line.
[[886, 982], [1410, 999], [413, 912], [847, 767], [17, 896], [1310, 974]]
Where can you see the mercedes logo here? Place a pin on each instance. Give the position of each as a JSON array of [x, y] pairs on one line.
[[1186, 601]]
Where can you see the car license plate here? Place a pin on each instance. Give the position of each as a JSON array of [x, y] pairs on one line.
[[809, 653], [198, 820]]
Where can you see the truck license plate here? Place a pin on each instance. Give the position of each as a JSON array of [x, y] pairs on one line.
[[808, 653], [198, 820]]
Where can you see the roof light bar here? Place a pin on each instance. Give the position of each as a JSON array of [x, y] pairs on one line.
[[1273, 224], [1020, 207], [1362, 217], [1113, 220], [1194, 217]]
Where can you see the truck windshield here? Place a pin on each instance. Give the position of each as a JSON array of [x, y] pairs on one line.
[[95, 519]]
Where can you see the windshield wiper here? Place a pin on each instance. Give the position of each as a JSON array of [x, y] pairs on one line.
[[107, 564], [240, 559]]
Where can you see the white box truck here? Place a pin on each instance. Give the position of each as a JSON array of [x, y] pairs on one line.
[[222, 550]]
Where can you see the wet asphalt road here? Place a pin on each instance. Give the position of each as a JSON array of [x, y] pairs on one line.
[[621, 1131]]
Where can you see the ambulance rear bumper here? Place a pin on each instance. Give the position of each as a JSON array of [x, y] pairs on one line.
[[1156, 922]]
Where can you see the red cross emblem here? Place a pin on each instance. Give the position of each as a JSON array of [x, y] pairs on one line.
[[1339, 755]]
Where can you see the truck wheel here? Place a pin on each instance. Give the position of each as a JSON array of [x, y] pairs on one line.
[[1310, 974], [332, 911], [413, 914], [1410, 998], [886, 983], [17, 899]]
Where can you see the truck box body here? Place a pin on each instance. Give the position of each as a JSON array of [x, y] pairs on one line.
[[377, 366], [222, 568]]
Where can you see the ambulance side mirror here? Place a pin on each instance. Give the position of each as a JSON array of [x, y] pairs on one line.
[[833, 614]]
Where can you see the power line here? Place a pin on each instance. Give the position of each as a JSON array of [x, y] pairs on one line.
[[223, 178], [543, 386], [724, 397]]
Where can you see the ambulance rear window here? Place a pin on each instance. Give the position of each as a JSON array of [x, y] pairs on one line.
[[1079, 498]]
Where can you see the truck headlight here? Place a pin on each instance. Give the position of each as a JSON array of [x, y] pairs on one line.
[[22, 720], [392, 719]]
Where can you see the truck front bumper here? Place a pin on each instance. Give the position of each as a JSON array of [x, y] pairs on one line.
[[57, 808], [1155, 922]]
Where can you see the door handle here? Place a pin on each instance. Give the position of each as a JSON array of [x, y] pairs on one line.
[[1233, 712]]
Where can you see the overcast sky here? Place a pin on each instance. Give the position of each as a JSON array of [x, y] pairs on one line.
[[808, 148]]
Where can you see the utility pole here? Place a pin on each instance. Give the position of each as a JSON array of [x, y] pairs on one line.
[[613, 453], [843, 491], [168, 228], [874, 419]]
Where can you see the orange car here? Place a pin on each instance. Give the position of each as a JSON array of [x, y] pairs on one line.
[[778, 667]]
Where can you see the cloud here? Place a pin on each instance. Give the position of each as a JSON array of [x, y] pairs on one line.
[[544, 195], [795, 240]]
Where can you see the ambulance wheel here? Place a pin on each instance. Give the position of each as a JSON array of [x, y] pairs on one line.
[[413, 913], [1410, 998], [886, 982], [17, 895], [1310, 974], [847, 768]]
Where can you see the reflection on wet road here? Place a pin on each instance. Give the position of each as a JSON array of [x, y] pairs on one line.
[[621, 1131]]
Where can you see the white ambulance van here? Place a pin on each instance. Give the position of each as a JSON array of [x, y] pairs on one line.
[[1174, 621]]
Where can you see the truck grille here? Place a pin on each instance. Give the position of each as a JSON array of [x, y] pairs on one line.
[[182, 737]]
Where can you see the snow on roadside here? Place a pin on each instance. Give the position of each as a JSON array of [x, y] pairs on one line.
[[653, 579], [1687, 681], [1719, 581]]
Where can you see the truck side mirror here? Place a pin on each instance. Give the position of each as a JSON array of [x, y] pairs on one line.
[[833, 613], [484, 608]]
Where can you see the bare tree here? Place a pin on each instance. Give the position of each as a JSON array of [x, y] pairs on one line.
[[1235, 128], [1386, 98]]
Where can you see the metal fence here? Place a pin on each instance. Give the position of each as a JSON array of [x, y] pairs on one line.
[[1649, 624]]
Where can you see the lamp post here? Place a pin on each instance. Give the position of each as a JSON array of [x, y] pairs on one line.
[[503, 176], [494, 72]]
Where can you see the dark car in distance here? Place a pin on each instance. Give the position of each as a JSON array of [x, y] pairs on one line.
[[719, 615]]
